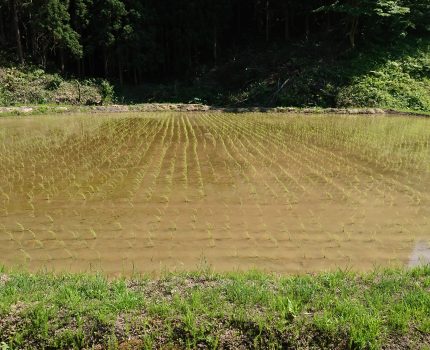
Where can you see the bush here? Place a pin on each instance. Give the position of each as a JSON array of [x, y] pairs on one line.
[[391, 86], [35, 86], [107, 91]]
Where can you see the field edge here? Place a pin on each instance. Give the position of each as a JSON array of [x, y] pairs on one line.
[[180, 107], [380, 309]]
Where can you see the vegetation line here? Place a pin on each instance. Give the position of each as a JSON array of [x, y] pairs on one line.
[[181, 107], [374, 310]]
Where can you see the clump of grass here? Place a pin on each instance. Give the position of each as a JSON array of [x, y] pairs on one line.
[[341, 309]]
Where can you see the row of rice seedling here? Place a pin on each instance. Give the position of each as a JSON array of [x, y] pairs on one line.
[[243, 190]]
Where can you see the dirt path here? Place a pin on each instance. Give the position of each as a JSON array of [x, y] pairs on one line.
[[178, 107]]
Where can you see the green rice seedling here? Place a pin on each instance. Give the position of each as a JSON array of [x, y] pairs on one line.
[[247, 235], [39, 244], [53, 234], [32, 210], [21, 227], [25, 254], [33, 235], [6, 197], [150, 239], [273, 240], [288, 161], [165, 199], [329, 195], [194, 218], [10, 235], [93, 234]]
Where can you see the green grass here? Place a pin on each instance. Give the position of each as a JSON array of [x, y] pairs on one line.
[[380, 309]]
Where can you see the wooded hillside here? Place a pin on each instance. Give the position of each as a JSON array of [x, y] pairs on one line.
[[133, 41]]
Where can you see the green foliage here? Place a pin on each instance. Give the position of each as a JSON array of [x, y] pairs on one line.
[[183, 51], [369, 311], [107, 91], [388, 87], [135, 40], [51, 25], [35, 86], [395, 77], [381, 8]]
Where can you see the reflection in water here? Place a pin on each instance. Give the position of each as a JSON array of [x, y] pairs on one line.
[[420, 255]]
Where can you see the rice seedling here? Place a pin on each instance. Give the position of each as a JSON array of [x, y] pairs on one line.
[[291, 177]]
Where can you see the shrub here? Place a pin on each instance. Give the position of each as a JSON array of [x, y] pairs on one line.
[[399, 85], [35, 86], [107, 91]]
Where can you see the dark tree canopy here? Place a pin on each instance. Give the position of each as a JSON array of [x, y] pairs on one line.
[[136, 40]]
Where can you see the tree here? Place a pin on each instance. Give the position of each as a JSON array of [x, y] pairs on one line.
[[52, 30], [159, 39], [2, 30], [17, 31], [419, 14], [105, 27], [377, 10]]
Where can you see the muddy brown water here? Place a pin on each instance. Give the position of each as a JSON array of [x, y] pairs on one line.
[[174, 191]]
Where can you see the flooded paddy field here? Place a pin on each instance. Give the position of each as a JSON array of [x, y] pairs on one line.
[[148, 192]]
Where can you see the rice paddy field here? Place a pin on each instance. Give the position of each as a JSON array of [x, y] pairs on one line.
[[153, 192]]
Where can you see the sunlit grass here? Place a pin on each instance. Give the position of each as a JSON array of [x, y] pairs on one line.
[[380, 309]]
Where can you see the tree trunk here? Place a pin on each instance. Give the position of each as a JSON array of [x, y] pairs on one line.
[[2, 34], [307, 27], [165, 51], [287, 35], [135, 76], [17, 32], [328, 25], [120, 73], [78, 67], [353, 31], [62, 60], [82, 65], [238, 23], [215, 46], [190, 54], [267, 21], [106, 63], [92, 66], [43, 59]]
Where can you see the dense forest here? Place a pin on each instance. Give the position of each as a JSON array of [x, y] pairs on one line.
[[134, 39], [132, 42]]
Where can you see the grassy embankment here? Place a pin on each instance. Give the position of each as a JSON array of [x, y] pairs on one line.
[[340, 310]]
